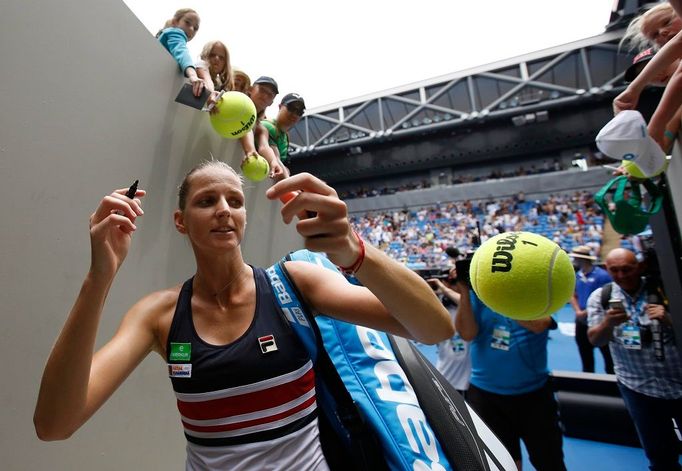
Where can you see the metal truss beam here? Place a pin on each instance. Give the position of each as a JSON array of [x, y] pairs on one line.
[[548, 77]]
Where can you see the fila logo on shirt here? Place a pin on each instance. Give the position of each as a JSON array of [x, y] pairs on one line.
[[267, 343]]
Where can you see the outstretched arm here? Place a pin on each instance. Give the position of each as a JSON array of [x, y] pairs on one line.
[[445, 290], [667, 110], [277, 169], [628, 99], [465, 322], [393, 298], [76, 382]]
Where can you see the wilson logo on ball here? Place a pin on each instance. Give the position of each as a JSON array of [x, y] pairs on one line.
[[502, 258]]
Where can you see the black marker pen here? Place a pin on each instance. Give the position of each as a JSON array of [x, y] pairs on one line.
[[129, 194], [132, 190]]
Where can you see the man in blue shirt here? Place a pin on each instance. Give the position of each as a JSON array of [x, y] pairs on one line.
[[588, 279], [509, 381]]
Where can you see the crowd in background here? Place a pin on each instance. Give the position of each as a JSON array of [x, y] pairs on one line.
[[456, 179], [419, 237]]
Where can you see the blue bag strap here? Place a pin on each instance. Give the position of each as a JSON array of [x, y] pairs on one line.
[[291, 307], [343, 416]]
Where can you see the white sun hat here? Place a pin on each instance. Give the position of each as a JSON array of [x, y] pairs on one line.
[[626, 138]]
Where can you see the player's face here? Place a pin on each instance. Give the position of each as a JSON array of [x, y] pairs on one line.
[[660, 28], [214, 216], [189, 23]]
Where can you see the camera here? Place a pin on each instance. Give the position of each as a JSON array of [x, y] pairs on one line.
[[462, 267], [438, 273]]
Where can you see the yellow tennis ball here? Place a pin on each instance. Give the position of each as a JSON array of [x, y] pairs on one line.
[[235, 117], [255, 168], [522, 275], [634, 170]]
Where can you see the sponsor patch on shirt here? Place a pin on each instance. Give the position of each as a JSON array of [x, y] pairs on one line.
[[180, 351], [267, 343], [180, 370]]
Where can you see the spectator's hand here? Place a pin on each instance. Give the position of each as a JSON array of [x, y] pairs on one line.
[[621, 171], [213, 100], [657, 312], [436, 284], [197, 85], [278, 171], [616, 317], [581, 314], [625, 101]]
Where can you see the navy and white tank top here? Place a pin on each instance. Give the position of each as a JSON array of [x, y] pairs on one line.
[[259, 388]]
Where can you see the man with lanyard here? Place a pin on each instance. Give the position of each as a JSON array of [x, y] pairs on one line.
[[509, 386], [649, 372], [588, 279], [291, 109]]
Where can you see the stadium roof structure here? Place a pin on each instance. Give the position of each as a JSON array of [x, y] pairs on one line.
[[523, 88]]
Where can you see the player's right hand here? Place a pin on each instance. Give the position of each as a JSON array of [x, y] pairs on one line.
[[111, 228]]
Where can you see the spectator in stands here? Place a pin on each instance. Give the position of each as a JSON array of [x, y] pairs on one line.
[[215, 60], [174, 37], [509, 381], [454, 361], [262, 94], [588, 279], [291, 109], [651, 387], [242, 82]]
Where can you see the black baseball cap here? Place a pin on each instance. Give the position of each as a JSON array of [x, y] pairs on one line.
[[263, 80], [290, 98], [638, 64]]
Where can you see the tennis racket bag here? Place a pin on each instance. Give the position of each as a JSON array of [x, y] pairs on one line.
[[383, 405]]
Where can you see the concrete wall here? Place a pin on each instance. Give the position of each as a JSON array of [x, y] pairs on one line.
[[87, 106]]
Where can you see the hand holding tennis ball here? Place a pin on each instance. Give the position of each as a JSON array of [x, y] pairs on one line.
[[255, 167]]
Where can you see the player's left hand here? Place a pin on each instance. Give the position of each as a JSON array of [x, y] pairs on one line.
[[327, 228]]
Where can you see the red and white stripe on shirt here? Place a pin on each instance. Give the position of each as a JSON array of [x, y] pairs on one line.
[[250, 408]]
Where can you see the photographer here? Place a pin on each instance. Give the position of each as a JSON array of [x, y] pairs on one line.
[[631, 317], [509, 382], [454, 361]]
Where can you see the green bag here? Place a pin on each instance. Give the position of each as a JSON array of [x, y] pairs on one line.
[[629, 217]]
